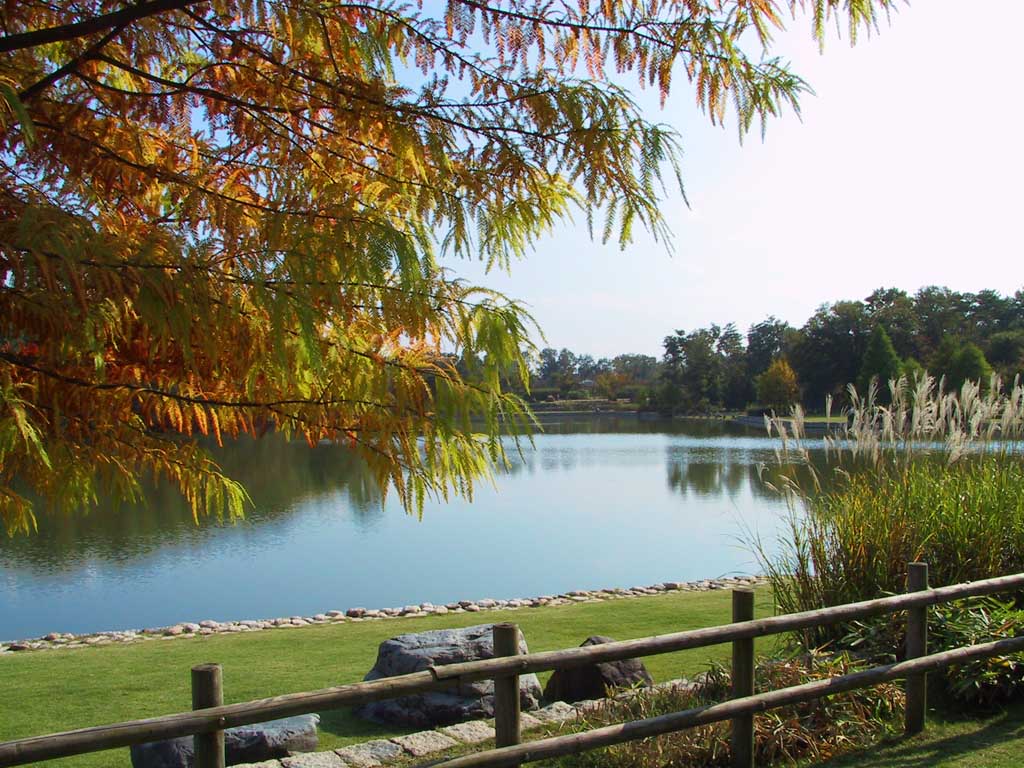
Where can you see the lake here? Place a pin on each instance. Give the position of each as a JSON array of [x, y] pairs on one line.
[[598, 502]]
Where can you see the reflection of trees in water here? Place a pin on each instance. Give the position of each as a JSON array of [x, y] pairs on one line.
[[729, 472], [277, 473], [719, 478]]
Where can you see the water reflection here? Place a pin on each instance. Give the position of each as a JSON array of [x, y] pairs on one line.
[[280, 477]]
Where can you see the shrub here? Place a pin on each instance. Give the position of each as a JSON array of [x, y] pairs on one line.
[[981, 683], [815, 730], [984, 682]]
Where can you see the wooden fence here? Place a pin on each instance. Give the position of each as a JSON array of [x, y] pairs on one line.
[[210, 716]]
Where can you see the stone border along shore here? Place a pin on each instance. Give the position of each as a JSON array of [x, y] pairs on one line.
[[428, 744], [191, 629]]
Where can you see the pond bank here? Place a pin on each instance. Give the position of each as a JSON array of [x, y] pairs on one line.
[[57, 640]]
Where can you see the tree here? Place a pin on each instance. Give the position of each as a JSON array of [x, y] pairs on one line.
[[225, 216], [880, 363], [777, 387], [969, 364], [942, 361], [1006, 354], [912, 371], [827, 353], [609, 384], [694, 367], [894, 309], [941, 313], [736, 386], [765, 342], [639, 369]]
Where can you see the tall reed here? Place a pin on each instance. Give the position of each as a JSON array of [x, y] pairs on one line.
[[932, 476]]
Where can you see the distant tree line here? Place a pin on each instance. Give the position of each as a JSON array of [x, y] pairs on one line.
[[949, 334]]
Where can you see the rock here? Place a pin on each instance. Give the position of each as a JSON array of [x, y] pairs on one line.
[[424, 742], [355, 613], [593, 680], [244, 744], [472, 732], [528, 722], [369, 754], [590, 705], [416, 652]]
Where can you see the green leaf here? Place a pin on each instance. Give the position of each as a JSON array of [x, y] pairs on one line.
[[27, 128]]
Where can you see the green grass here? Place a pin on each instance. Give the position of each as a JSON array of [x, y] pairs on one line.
[[50, 691], [949, 741]]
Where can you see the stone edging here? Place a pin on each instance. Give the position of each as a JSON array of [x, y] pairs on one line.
[[383, 752], [193, 629]]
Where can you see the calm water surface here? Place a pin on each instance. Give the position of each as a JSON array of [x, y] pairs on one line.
[[599, 502]]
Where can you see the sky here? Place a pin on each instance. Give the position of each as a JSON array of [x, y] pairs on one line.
[[903, 170]]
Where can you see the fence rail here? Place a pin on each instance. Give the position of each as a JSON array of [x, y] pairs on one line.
[[205, 720]]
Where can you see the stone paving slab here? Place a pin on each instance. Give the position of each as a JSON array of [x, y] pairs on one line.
[[370, 754], [472, 732], [380, 752], [313, 760], [424, 742]]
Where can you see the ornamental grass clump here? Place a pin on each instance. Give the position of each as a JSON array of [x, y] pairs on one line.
[[933, 476], [815, 730]]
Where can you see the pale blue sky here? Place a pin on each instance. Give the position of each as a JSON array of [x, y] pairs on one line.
[[905, 170]]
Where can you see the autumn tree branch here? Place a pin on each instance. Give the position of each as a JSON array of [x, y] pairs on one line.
[[102, 23]]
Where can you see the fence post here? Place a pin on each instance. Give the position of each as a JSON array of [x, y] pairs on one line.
[[742, 681], [916, 686], [506, 689], [208, 691]]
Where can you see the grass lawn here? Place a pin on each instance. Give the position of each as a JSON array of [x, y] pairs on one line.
[[949, 741], [50, 691]]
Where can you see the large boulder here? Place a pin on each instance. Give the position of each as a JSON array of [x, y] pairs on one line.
[[593, 681], [420, 650], [243, 744]]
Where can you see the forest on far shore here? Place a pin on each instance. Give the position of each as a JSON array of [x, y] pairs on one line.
[[959, 336]]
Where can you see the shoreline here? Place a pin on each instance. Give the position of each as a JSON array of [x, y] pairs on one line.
[[206, 627]]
